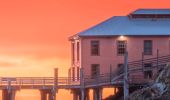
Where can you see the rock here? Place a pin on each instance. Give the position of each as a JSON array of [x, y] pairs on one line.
[[159, 90]]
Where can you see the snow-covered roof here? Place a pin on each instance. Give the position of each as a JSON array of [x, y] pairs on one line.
[[125, 25]]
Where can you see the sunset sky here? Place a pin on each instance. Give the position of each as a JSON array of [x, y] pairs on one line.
[[34, 33]]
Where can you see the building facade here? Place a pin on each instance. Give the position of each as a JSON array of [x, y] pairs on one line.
[[144, 33]]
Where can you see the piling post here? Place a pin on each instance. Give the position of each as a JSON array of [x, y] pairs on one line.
[[43, 94], [100, 93], [142, 62], [55, 78], [54, 90], [126, 87], [82, 84], [8, 95]]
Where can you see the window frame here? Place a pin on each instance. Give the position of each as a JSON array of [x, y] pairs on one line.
[[147, 50], [148, 72], [93, 48], [97, 70], [118, 48]]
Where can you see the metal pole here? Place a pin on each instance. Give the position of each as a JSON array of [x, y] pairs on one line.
[[126, 87]]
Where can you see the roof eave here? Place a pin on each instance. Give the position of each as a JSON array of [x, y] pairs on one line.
[[74, 37]]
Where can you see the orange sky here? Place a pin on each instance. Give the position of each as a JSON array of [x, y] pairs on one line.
[[34, 33]]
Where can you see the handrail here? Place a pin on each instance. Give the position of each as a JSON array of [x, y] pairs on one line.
[[112, 77]]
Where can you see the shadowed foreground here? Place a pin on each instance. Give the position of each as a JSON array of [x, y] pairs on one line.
[[159, 90]]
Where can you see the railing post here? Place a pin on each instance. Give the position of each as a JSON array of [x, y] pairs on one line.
[[9, 85], [69, 76], [126, 87], [82, 84], [43, 82], [157, 59], [110, 73], [55, 79], [142, 61], [81, 78], [32, 83]]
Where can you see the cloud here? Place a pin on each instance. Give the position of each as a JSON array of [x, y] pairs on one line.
[[7, 64]]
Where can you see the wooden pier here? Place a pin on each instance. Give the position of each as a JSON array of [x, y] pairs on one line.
[[49, 86]]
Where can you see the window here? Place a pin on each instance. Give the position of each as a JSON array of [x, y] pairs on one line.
[[94, 48], [121, 47], [148, 70], [147, 47], [95, 70], [78, 51], [73, 53], [120, 69]]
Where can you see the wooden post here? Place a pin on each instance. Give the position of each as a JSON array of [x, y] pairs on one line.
[[54, 90], [9, 85], [94, 94], [56, 77], [8, 95], [110, 73], [82, 94], [82, 84], [100, 93], [69, 76], [157, 59], [43, 94], [126, 87], [142, 61], [81, 78]]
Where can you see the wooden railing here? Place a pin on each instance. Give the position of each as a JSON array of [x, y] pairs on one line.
[[34, 81], [115, 77], [135, 72]]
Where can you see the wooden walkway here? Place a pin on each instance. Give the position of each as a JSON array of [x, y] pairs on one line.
[[114, 78]]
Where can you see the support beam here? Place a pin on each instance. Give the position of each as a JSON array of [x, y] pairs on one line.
[[75, 96], [82, 94], [94, 94], [97, 94], [8, 95], [126, 85], [100, 93], [43, 94], [13, 92], [53, 95], [49, 96], [87, 96]]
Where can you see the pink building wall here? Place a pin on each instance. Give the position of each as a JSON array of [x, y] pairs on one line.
[[108, 51]]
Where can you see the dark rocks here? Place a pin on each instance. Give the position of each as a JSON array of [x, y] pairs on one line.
[[159, 90]]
